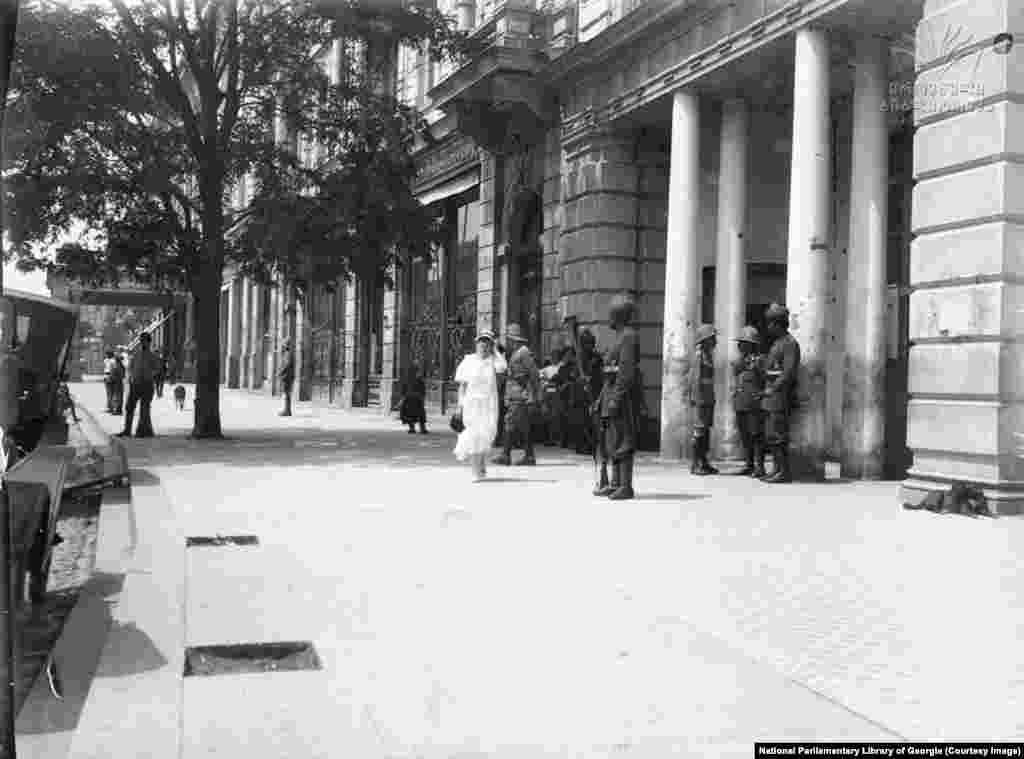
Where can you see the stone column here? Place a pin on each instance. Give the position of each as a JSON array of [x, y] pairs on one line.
[[259, 331], [730, 267], [466, 15], [966, 363], [348, 385], [189, 352], [867, 283], [488, 300], [247, 326], [682, 276], [234, 331], [389, 362], [810, 207], [304, 347]]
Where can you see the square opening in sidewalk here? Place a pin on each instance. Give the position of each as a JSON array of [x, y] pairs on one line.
[[222, 540], [243, 658]]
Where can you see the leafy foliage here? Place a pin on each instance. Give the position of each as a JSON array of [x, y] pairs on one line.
[[144, 119]]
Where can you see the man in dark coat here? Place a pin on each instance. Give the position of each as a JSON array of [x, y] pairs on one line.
[[413, 409], [748, 392], [702, 398], [619, 404], [522, 392], [286, 374], [783, 364]]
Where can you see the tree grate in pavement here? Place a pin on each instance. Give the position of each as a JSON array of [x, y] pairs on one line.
[[248, 658], [222, 540]]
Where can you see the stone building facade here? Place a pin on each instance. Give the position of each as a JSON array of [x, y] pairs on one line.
[[855, 159]]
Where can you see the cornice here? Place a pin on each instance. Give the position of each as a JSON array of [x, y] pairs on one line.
[[688, 71]]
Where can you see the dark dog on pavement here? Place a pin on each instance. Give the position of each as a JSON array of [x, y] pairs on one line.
[[961, 498], [179, 397]]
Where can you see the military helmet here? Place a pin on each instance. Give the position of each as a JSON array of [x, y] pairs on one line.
[[622, 309], [749, 335], [776, 312], [705, 332]]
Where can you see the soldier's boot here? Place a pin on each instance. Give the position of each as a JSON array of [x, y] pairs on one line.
[[616, 482], [695, 456], [625, 490], [748, 469], [782, 473], [505, 457], [287, 410], [602, 487], [705, 448], [412, 428], [423, 428], [700, 457], [528, 458], [758, 458]]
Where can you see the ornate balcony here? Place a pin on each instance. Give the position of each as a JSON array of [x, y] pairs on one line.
[[499, 98]]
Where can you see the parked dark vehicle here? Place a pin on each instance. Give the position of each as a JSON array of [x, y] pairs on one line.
[[44, 330]]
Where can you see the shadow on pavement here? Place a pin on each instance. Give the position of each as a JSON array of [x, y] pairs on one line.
[[77, 655], [310, 446], [136, 652], [671, 496]]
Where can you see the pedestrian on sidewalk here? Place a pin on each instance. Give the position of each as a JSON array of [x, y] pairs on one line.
[[499, 349], [585, 417], [413, 410], [118, 383], [522, 393], [142, 371], [748, 392], [286, 374], [161, 375], [702, 399], [477, 376], [619, 404], [109, 366], [783, 364], [552, 402]]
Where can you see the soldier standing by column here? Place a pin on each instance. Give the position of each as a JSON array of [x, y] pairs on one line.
[[287, 376], [619, 402], [748, 371], [780, 389], [702, 397], [522, 391]]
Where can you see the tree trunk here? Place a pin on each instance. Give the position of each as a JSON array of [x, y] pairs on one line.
[[307, 368], [206, 289], [206, 422]]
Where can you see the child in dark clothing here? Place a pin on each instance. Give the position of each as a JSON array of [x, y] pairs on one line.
[[413, 410]]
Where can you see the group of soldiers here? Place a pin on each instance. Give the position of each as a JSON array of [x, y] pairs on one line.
[[764, 396]]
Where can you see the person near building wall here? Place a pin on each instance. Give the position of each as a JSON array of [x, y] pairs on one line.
[[477, 377], [780, 390], [748, 392], [702, 398], [286, 374], [619, 403], [413, 410], [522, 393]]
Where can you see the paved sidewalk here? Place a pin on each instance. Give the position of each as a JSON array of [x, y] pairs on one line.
[[523, 618]]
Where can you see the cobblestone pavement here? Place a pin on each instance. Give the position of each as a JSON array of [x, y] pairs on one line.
[[524, 618]]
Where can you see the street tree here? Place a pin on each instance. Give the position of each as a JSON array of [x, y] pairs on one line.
[[141, 118]]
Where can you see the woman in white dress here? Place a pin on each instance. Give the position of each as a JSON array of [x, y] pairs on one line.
[[478, 402]]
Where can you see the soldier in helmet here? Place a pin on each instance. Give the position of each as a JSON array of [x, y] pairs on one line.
[[522, 392], [780, 389], [702, 398], [619, 404], [748, 391]]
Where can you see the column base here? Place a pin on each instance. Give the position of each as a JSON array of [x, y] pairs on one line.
[[234, 365], [1005, 497], [345, 398], [387, 395]]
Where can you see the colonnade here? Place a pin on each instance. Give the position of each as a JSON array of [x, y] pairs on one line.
[[810, 243]]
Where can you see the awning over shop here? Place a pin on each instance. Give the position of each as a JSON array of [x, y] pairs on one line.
[[459, 184]]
